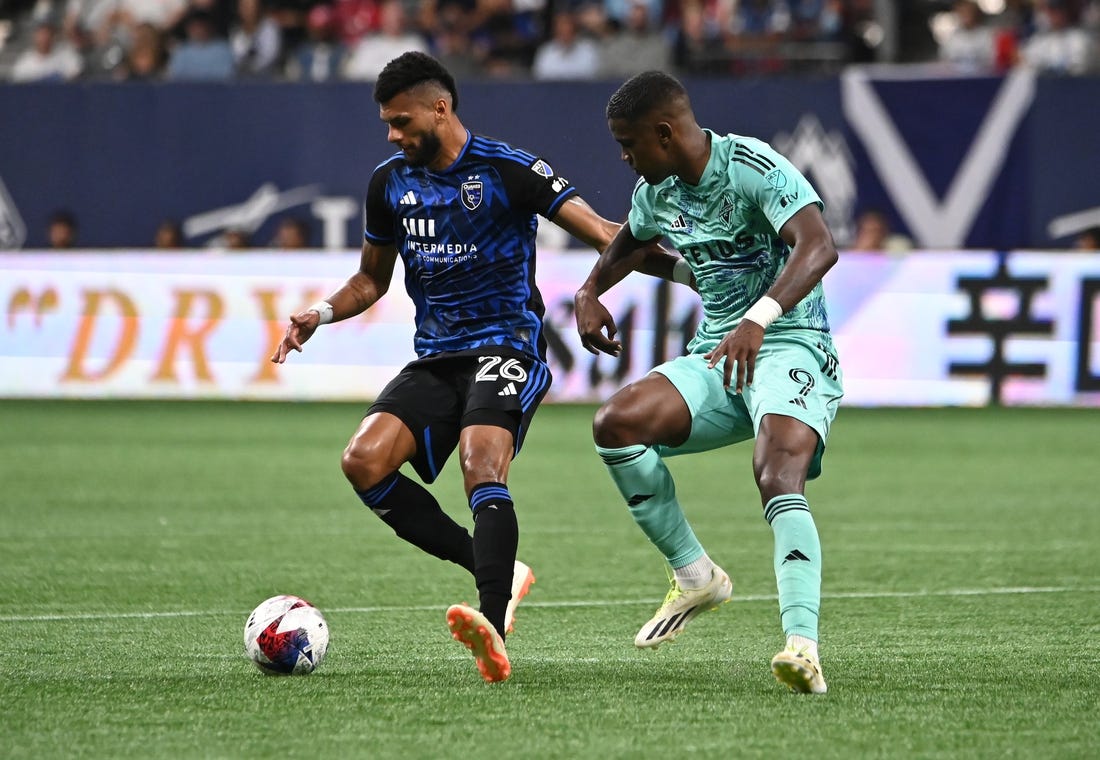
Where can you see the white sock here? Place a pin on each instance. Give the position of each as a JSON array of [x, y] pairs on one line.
[[694, 574], [794, 641]]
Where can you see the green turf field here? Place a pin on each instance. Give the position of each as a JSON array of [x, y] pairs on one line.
[[960, 619]]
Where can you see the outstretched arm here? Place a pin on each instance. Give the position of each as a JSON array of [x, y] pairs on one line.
[[578, 219], [813, 253], [354, 297]]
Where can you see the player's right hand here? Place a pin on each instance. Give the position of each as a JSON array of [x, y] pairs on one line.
[[593, 319], [301, 328]]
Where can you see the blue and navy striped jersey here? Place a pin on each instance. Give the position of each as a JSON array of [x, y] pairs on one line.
[[467, 238]]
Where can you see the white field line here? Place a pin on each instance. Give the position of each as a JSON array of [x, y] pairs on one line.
[[77, 616]]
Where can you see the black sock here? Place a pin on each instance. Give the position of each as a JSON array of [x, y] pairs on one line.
[[415, 515], [496, 536]]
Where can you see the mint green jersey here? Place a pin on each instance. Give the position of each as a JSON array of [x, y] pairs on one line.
[[726, 227]]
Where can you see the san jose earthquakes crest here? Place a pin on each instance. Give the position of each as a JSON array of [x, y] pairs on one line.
[[472, 193]]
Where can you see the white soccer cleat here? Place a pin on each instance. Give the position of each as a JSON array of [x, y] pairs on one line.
[[680, 608], [799, 671], [474, 631], [522, 578]]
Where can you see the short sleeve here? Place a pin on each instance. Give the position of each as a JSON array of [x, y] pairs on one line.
[[771, 182], [378, 211], [534, 187]]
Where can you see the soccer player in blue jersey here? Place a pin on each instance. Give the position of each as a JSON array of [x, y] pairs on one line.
[[459, 209], [761, 364]]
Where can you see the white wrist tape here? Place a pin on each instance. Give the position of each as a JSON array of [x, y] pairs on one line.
[[681, 272], [764, 312], [324, 309]]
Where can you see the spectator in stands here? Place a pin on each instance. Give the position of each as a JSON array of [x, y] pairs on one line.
[[507, 34], [874, 233], [61, 230], [114, 27], [1088, 240], [753, 32], [697, 48], [97, 34], [566, 55], [971, 45], [618, 12], [147, 57], [292, 16], [169, 234], [256, 40], [74, 33], [222, 15], [454, 48], [460, 16], [202, 56], [321, 57], [355, 19], [393, 38], [637, 47], [593, 23], [48, 59], [292, 233], [236, 239], [1059, 45]]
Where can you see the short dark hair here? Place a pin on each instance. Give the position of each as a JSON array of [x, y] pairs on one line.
[[1092, 232], [643, 93], [63, 216], [409, 70]]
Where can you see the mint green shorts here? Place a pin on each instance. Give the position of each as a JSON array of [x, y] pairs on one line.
[[797, 375]]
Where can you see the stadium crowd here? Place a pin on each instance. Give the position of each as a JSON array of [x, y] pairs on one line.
[[322, 40]]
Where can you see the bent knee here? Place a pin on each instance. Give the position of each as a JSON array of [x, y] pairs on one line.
[[614, 425], [648, 412], [364, 464]]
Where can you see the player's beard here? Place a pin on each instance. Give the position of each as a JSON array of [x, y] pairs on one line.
[[425, 153]]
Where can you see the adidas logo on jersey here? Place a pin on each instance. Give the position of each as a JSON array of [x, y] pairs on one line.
[[408, 199], [678, 223], [508, 390]]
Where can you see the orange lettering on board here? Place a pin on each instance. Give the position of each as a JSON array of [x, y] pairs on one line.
[[182, 336], [94, 300], [273, 334], [267, 371]]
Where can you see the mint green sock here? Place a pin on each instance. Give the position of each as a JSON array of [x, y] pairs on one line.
[[650, 494], [797, 563]]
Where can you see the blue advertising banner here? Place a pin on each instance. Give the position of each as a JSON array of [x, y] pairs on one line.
[[992, 163]]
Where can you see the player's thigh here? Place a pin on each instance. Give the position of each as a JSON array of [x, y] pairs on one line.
[[648, 411], [424, 398], [718, 417], [380, 445], [502, 391], [797, 376]]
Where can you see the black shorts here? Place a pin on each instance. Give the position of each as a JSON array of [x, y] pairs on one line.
[[438, 396]]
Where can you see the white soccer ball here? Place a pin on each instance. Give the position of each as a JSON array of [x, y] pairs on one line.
[[286, 635]]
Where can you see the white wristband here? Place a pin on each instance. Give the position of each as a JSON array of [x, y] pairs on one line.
[[764, 312], [681, 272], [324, 310]]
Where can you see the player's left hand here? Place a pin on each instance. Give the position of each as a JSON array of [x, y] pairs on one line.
[[593, 319], [739, 348], [301, 328]]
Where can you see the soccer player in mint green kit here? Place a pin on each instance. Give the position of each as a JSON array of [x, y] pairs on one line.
[[761, 365]]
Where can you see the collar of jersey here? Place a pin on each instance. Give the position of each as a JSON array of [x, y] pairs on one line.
[[461, 154], [709, 169]]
